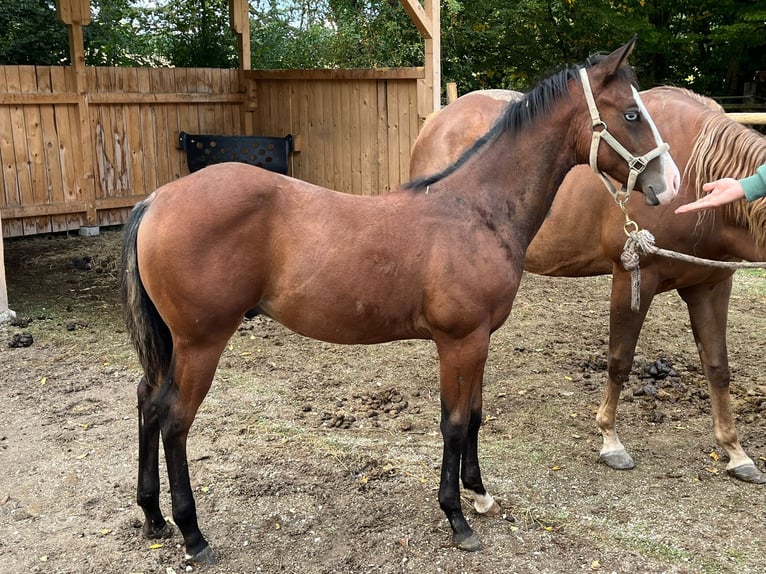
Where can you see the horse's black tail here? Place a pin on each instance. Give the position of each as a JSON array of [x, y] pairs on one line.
[[148, 333]]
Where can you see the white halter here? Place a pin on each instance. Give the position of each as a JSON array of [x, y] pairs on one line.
[[600, 132]]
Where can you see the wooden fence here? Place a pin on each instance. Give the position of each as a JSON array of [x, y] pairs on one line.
[[81, 158]]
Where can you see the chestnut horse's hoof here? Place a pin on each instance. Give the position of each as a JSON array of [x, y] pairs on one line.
[[617, 459], [748, 473], [204, 557], [153, 533], [469, 542]]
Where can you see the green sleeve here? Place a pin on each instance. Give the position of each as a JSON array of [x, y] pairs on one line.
[[755, 185]]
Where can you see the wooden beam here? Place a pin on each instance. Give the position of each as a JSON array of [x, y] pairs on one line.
[[420, 17], [433, 57], [750, 118], [107, 98], [338, 74], [239, 20], [73, 12]]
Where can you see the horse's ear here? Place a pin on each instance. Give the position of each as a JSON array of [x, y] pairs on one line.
[[619, 57]]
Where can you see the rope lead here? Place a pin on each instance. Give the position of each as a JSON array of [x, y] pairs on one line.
[[642, 242]]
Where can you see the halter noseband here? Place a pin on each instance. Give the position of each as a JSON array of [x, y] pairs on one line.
[[600, 132]]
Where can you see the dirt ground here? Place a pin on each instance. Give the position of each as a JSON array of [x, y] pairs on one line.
[[308, 457]]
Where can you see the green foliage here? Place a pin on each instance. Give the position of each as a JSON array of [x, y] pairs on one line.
[[116, 36], [31, 34], [710, 46], [195, 33], [333, 34]]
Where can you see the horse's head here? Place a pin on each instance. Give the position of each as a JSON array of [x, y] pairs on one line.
[[623, 141]]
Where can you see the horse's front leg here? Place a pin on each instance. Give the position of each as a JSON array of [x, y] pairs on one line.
[[470, 471], [148, 491], [461, 365], [624, 328], [708, 310]]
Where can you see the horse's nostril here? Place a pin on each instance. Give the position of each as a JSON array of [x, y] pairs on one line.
[[651, 196]]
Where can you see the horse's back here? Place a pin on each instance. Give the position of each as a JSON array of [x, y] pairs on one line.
[[449, 131]]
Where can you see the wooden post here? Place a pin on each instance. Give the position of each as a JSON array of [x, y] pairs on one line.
[[239, 20], [451, 92], [5, 313], [433, 52], [427, 22], [75, 14]]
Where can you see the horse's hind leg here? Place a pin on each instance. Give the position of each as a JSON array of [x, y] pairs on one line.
[[148, 492], [193, 371], [708, 309]]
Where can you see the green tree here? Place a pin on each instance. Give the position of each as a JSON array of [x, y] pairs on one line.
[[333, 34], [117, 35], [710, 46], [30, 33], [194, 33]]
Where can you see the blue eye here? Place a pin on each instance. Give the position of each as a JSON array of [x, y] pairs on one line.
[[632, 116]]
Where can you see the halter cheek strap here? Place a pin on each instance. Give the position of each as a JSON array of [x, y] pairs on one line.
[[636, 165]]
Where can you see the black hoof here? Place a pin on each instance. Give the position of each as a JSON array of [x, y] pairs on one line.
[[166, 531], [204, 557], [469, 542], [618, 460], [748, 473]]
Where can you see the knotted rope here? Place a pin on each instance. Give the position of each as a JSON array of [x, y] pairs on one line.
[[641, 241]]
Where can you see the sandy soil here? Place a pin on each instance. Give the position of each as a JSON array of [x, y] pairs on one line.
[[309, 457]]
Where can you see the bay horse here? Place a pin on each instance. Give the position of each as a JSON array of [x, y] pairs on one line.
[[584, 238], [439, 259]]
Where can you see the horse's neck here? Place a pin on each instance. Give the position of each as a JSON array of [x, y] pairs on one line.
[[738, 238], [514, 180]]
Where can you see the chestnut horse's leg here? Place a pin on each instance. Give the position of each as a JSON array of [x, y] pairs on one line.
[[708, 310], [461, 366], [624, 328], [148, 492]]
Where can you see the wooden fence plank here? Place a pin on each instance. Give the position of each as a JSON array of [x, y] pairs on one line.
[[75, 156], [382, 137], [52, 159], [134, 145], [368, 151], [148, 142], [10, 180]]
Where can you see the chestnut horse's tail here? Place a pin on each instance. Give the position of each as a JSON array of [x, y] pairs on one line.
[[148, 333]]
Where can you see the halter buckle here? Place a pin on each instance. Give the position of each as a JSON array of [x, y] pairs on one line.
[[638, 161]]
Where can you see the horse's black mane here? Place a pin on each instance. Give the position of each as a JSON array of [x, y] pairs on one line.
[[519, 114]]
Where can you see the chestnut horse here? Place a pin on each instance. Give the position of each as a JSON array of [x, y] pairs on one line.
[[582, 238], [440, 259]]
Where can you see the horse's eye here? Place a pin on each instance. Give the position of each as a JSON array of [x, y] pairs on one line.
[[632, 116]]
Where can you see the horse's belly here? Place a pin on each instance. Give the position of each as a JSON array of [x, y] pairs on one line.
[[349, 322]]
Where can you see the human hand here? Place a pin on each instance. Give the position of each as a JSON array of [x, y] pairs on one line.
[[721, 192]]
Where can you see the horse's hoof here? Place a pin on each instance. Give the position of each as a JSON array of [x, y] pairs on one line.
[[748, 473], [153, 533], [469, 543], [617, 459], [204, 557]]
